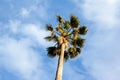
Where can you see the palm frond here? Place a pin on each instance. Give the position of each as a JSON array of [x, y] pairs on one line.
[[51, 38], [58, 50], [55, 38], [75, 31], [67, 25], [51, 51], [83, 30], [78, 50], [74, 21], [72, 52], [59, 18], [73, 43], [67, 32], [49, 27], [80, 42], [61, 31]]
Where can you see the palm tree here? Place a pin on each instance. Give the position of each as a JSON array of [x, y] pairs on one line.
[[68, 41]]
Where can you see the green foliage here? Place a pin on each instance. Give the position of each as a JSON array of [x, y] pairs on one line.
[[71, 31], [75, 31], [80, 41], [72, 52], [53, 51], [78, 50], [59, 18], [83, 30], [74, 21], [49, 27], [51, 38], [60, 29], [67, 24]]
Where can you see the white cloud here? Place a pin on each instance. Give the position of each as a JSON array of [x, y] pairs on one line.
[[31, 31], [17, 39], [14, 25], [39, 9], [100, 58], [18, 57], [102, 12], [72, 72], [35, 33], [24, 12]]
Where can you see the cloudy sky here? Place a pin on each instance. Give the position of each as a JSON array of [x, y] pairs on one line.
[[23, 53]]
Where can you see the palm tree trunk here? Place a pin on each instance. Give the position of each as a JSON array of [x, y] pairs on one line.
[[60, 64]]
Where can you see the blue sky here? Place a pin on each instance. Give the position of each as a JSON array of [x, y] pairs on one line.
[[23, 53]]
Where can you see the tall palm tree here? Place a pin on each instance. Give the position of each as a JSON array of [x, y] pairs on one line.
[[68, 41]]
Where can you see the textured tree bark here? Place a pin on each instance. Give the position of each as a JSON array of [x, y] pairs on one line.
[[60, 64]]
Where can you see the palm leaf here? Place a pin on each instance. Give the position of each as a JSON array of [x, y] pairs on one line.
[[61, 31], [83, 30], [49, 27], [75, 31], [51, 51], [72, 52], [59, 18], [58, 50], [78, 50], [51, 38], [67, 25], [80, 42], [74, 21]]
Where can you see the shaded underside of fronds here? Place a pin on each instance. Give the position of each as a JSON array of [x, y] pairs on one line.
[[74, 21], [83, 30]]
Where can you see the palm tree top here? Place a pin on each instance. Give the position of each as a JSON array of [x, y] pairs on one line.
[[68, 32]]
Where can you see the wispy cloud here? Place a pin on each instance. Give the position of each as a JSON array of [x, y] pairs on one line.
[[39, 9], [21, 43], [102, 49], [18, 55], [24, 12], [101, 13]]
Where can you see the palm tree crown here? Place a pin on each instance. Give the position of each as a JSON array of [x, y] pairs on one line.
[[68, 32]]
